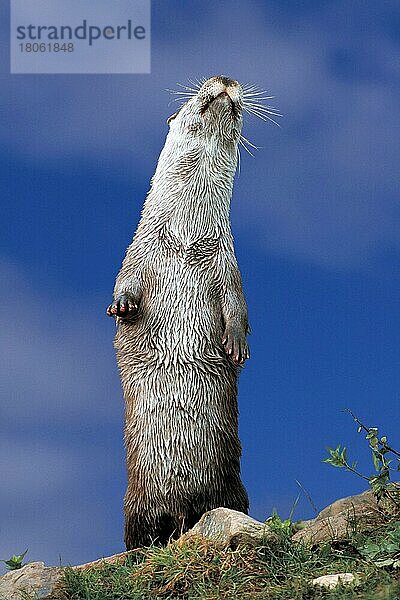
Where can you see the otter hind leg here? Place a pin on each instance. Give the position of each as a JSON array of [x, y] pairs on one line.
[[137, 531], [237, 499], [148, 530]]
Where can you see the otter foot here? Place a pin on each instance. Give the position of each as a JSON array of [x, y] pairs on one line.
[[234, 342], [123, 306]]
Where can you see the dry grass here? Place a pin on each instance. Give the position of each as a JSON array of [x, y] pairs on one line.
[[200, 570]]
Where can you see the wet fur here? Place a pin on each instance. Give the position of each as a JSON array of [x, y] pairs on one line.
[[181, 290]]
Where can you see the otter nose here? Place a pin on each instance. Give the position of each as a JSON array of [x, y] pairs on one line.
[[226, 81], [220, 84]]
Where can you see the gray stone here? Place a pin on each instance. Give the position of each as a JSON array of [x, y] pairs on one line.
[[230, 528], [115, 559], [338, 520], [34, 579], [331, 581]]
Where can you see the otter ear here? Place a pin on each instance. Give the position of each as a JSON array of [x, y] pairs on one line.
[[172, 117]]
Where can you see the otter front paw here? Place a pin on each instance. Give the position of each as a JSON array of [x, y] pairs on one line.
[[234, 342], [124, 307]]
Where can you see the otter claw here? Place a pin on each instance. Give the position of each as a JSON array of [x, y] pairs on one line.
[[123, 307], [236, 346]]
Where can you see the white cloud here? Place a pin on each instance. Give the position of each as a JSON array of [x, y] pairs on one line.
[[330, 199], [61, 449], [58, 364], [56, 499], [321, 190]]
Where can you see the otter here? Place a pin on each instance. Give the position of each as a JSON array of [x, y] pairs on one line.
[[182, 325]]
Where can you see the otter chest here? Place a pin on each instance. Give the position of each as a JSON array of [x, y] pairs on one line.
[[192, 251]]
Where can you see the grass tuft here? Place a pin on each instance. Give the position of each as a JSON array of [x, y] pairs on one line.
[[200, 570]]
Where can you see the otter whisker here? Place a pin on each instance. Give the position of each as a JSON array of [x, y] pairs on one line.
[[263, 106], [257, 96], [182, 97], [253, 89], [196, 83], [253, 98], [264, 113], [181, 100], [181, 93], [258, 104], [243, 144], [189, 89], [250, 87], [247, 150], [269, 110], [263, 117], [249, 142]]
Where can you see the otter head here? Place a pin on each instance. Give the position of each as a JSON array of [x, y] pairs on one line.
[[211, 119]]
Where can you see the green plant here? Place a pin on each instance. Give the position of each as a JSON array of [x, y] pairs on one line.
[[198, 569], [15, 562], [384, 550], [383, 455], [284, 526], [278, 525]]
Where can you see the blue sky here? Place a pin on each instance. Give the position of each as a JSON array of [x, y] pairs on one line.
[[315, 216]]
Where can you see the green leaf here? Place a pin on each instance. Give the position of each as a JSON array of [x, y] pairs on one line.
[[337, 457], [15, 562], [377, 462], [384, 563], [372, 431], [391, 548], [369, 550], [373, 441]]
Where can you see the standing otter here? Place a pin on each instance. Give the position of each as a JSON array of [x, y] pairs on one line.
[[182, 326]]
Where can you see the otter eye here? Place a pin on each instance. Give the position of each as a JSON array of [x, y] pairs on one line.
[[172, 117]]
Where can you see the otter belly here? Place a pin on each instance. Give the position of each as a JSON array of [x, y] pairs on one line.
[[180, 392], [179, 321]]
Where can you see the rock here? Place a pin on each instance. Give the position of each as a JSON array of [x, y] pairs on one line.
[[230, 528], [33, 579], [115, 559], [331, 581], [340, 519], [42, 582]]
